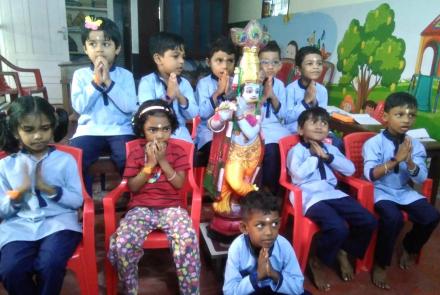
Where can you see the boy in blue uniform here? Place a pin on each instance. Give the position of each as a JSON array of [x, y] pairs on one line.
[[345, 226], [168, 52], [392, 160], [273, 129], [304, 93], [211, 91], [259, 260], [104, 96]]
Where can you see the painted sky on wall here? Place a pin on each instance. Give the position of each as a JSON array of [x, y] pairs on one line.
[[411, 18]]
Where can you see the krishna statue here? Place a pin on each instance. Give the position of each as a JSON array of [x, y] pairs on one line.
[[237, 147]]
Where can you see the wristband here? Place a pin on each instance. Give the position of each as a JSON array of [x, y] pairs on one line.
[[147, 170], [13, 194], [386, 168], [411, 171], [173, 176]]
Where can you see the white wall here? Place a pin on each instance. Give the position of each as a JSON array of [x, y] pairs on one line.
[[243, 10]]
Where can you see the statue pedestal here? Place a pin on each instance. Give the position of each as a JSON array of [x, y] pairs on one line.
[[225, 227]]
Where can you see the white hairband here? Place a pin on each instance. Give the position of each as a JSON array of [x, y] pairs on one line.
[[152, 108]]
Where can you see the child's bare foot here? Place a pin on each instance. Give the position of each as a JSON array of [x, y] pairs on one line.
[[407, 260], [318, 274], [345, 266], [379, 277]]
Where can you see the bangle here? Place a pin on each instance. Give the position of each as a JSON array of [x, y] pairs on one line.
[[173, 176], [147, 170], [411, 171], [13, 194], [386, 168]]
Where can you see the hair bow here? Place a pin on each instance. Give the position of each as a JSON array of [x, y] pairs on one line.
[[91, 23]]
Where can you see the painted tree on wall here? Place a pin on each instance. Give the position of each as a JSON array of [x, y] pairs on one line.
[[370, 55]]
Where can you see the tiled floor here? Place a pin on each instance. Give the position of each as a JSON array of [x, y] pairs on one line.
[[157, 273]]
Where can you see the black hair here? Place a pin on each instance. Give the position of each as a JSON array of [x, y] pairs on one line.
[[272, 46], [293, 42], [222, 44], [398, 99], [262, 201], [314, 113], [163, 41], [110, 29], [163, 109], [306, 50], [369, 103], [30, 105]]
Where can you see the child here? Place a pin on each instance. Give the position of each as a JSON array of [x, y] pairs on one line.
[[260, 260], [368, 107], [40, 193], [305, 92], [392, 160], [168, 52], [104, 96], [155, 173], [345, 226], [273, 99], [211, 91]]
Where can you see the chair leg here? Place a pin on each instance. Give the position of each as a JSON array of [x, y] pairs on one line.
[[111, 278]]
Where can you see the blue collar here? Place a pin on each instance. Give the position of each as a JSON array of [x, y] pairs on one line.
[[214, 77], [395, 139], [301, 85], [307, 144], [50, 149], [162, 81]]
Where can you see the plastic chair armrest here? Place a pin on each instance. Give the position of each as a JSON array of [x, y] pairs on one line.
[[297, 195], [109, 202], [88, 223], [427, 189], [364, 188]]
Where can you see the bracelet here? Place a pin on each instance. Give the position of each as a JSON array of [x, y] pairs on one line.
[[13, 194], [386, 168], [411, 171], [173, 176], [147, 170]]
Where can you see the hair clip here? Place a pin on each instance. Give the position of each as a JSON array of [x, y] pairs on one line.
[[92, 23]]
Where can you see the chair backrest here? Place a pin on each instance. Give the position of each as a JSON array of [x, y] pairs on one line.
[[189, 151], [3, 154], [378, 111], [195, 123], [285, 144], [353, 144], [287, 73]]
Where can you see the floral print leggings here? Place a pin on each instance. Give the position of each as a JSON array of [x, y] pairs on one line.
[[126, 245]]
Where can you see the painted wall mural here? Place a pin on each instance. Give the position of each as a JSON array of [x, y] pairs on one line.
[[376, 47]]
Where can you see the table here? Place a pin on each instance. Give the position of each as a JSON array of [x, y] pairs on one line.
[[432, 149]]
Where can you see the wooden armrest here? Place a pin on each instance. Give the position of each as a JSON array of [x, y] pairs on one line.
[[14, 76]]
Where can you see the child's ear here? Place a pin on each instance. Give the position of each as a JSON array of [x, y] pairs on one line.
[[157, 58], [118, 50], [208, 62], [243, 227], [385, 116], [300, 131]]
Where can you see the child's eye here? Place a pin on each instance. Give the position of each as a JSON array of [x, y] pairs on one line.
[[107, 44], [275, 224], [259, 226]]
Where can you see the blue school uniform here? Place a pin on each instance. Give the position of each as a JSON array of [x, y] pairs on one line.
[[105, 117], [153, 86], [206, 87], [296, 105], [273, 129], [241, 269], [104, 111], [38, 225], [393, 193], [330, 208]]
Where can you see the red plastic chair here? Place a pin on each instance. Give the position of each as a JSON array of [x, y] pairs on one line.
[[5, 89], [83, 260], [378, 112], [199, 172], [353, 144], [26, 90], [303, 228], [157, 239], [3, 154], [287, 73]]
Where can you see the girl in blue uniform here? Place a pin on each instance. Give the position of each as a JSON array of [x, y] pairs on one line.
[[40, 193]]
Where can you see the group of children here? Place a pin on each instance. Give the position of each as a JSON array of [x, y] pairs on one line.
[[40, 188]]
